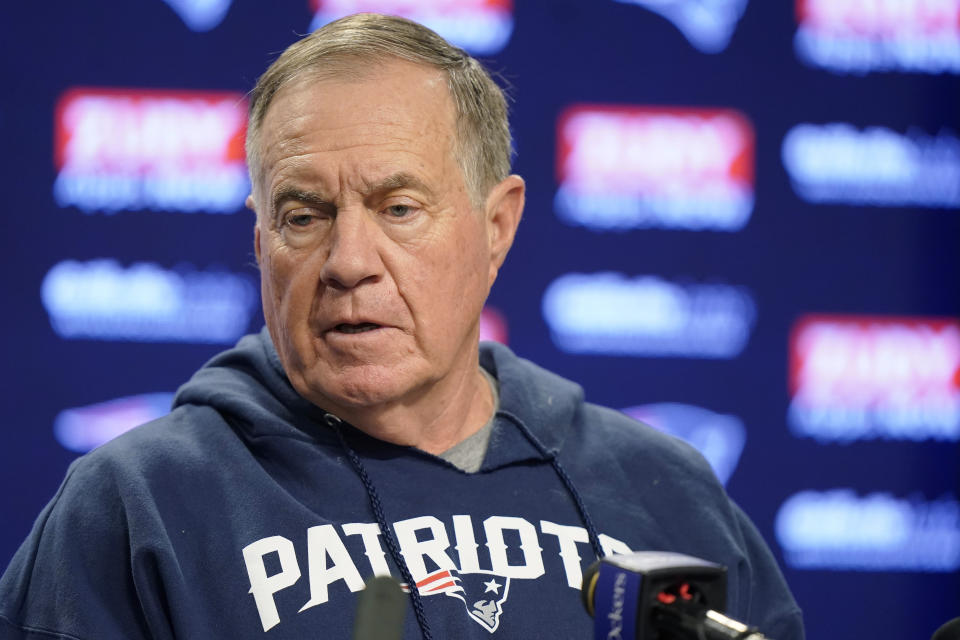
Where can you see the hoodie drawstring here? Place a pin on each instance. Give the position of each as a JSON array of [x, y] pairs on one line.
[[567, 482], [394, 548], [335, 423]]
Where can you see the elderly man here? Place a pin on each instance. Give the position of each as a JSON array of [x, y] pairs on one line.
[[364, 431]]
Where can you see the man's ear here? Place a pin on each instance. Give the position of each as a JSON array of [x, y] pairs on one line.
[[504, 209], [256, 226]]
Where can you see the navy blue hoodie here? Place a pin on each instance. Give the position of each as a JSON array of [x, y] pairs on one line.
[[239, 515]]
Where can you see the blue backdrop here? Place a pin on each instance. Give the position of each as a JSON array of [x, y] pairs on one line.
[[742, 227]]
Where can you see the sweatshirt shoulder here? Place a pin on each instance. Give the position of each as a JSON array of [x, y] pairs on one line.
[[108, 517], [647, 475], [166, 447], [623, 436]]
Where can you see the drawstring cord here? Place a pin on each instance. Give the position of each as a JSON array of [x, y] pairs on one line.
[[567, 482], [335, 423], [394, 548]]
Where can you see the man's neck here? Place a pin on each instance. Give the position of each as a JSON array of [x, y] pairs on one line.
[[440, 418]]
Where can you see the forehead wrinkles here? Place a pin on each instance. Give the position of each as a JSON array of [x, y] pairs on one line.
[[364, 168], [404, 105]]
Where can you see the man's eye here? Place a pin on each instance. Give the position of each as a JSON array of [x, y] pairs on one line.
[[399, 210], [300, 220]]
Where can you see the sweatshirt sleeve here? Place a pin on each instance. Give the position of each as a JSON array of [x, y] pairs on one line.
[[769, 605], [72, 578]]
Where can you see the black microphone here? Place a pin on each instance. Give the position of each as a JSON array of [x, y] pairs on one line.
[[659, 594], [949, 631], [381, 609]]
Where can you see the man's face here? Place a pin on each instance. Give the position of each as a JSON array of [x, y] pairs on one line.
[[374, 265]]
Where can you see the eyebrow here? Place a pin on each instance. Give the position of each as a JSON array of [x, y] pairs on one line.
[[399, 180], [287, 193]]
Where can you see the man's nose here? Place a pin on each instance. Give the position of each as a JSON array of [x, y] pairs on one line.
[[354, 257]]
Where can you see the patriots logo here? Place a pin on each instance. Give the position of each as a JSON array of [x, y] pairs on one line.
[[201, 15], [707, 24], [481, 592]]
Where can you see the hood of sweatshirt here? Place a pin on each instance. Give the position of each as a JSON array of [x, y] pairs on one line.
[[248, 384]]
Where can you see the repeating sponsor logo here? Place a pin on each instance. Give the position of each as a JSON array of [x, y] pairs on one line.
[[482, 27], [641, 167], [143, 149], [201, 15], [861, 377], [610, 313], [720, 438], [493, 325], [707, 24], [101, 300], [840, 530], [837, 163], [859, 36], [84, 428]]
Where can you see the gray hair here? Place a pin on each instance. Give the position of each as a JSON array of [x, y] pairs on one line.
[[482, 141]]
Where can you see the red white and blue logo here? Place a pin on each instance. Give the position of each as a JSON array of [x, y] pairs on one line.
[[482, 27], [134, 149], [201, 15], [875, 378], [855, 36], [634, 167], [272, 564], [481, 592], [707, 24]]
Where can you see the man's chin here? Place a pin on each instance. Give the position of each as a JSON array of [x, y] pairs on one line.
[[359, 390]]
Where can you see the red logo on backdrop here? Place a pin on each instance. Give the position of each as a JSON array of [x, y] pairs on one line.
[[858, 36], [635, 167], [493, 325], [880, 19], [482, 27], [864, 377], [150, 149]]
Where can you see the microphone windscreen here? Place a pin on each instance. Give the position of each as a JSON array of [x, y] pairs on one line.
[[949, 631], [381, 608], [588, 586]]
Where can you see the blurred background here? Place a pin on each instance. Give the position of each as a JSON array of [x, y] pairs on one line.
[[742, 228]]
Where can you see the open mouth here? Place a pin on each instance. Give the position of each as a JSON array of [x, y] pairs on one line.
[[356, 328]]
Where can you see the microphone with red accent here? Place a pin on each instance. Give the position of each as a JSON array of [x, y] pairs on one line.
[[660, 595]]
